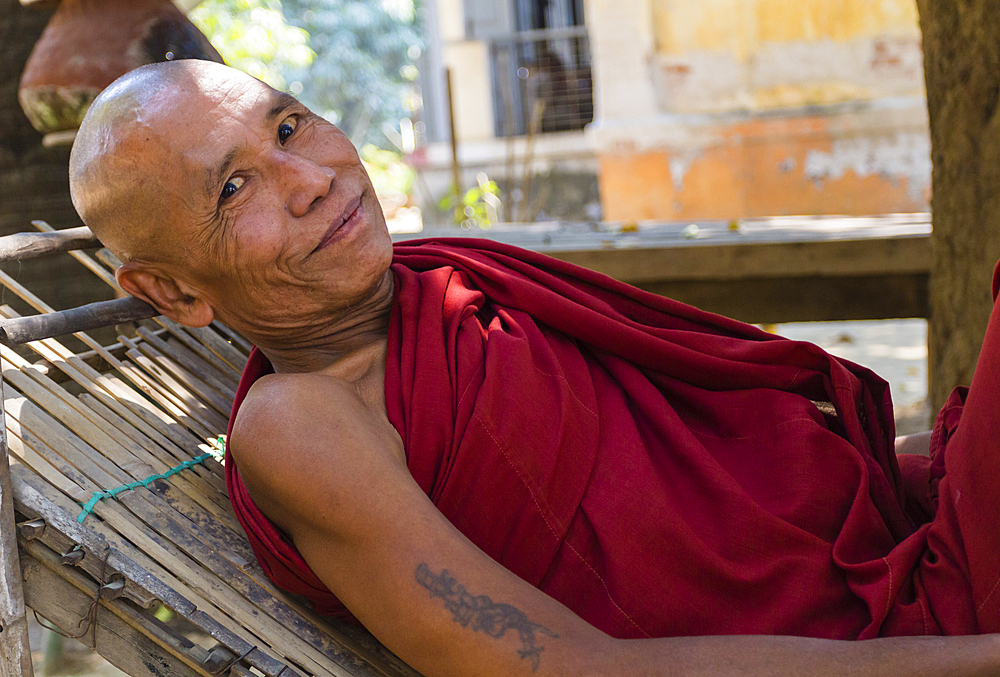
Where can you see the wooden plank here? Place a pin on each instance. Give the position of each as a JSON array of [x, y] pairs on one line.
[[208, 391], [808, 299], [171, 413], [35, 498], [33, 425], [123, 367], [144, 563], [218, 345], [834, 258], [123, 400], [139, 646], [116, 395], [48, 347], [223, 535], [216, 562], [15, 652], [125, 421], [182, 401], [226, 586], [167, 543], [187, 400], [106, 257], [209, 495], [234, 337]]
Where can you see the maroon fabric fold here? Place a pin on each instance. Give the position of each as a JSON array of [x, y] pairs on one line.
[[658, 469]]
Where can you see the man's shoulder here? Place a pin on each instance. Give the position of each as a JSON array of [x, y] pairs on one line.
[[291, 408], [275, 401], [302, 440]]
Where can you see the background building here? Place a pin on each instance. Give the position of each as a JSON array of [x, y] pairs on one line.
[[681, 110]]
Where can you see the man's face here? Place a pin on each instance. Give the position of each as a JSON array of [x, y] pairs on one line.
[[268, 212]]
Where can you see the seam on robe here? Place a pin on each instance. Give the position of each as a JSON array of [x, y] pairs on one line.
[[548, 524], [569, 387], [480, 368], [795, 379], [888, 594], [987, 598], [923, 613]]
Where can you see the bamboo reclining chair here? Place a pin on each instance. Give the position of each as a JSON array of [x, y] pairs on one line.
[[119, 501]]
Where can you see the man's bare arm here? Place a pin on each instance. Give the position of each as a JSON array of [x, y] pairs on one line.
[[330, 472]]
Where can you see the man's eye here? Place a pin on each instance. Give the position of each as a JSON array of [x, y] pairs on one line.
[[285, 129], [232, 185]]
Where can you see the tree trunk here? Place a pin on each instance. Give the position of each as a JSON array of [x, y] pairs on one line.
[[962, 67]]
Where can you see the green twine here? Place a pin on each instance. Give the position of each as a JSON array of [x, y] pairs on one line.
[[88, 508]]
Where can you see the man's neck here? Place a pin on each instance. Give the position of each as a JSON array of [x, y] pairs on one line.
[[350, 346]]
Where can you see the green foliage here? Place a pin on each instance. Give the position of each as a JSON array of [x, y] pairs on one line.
[[478, 206], [351, 61], [362, 78], [253, 36], [389, 174]]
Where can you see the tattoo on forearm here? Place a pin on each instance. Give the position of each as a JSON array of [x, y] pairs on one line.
[[482, 614]]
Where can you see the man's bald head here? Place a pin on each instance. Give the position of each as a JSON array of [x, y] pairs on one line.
[[224, 197], [116, 155]]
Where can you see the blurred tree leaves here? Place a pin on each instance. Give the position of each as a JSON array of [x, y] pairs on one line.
[[253, 36], [351, 61], [363, 76]]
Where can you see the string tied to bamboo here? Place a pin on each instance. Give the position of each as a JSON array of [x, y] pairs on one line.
[[88, 508]]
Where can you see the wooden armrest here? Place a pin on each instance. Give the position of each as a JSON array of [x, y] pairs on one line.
[[91, 316], [29, 245]]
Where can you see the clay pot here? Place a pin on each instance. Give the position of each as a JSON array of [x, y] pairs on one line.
[[90, 43]]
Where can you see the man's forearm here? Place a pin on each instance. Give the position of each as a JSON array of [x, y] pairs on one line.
[[966, 656]]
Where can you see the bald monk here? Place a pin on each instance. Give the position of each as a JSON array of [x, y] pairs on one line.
[[501, 464]]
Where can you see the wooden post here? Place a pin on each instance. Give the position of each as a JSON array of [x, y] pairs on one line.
[[455, 170], [15, 653]]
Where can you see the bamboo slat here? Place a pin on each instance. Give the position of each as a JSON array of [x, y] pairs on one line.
[[15, 652]]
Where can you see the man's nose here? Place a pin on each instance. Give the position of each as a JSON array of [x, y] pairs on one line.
[[307, 183]]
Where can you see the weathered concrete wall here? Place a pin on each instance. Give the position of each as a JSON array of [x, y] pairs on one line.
[[734, 108], [716, 55], [845, 160]]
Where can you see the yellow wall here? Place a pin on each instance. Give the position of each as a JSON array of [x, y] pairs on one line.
[[714, 55], [741, 26]]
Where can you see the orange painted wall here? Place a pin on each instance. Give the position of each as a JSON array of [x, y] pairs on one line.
[[756, 167]]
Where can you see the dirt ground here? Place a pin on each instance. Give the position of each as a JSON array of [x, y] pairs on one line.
[[75, 658]]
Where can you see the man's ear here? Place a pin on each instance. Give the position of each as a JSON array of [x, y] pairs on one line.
[[162, 291]]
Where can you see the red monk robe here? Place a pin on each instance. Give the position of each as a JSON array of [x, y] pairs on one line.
[[664, 471]]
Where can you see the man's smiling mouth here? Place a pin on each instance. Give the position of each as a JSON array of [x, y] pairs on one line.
[[351, 216]]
